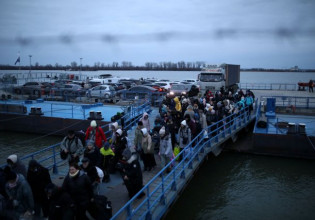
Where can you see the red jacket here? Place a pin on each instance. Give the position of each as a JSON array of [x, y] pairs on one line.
[[99, 136]]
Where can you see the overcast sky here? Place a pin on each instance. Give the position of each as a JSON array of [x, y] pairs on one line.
[[252, 33]]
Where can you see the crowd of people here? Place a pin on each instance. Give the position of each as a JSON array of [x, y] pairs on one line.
[[92, 158]]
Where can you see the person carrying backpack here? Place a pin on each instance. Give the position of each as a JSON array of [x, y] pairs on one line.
[[71, 147], [96, 134]]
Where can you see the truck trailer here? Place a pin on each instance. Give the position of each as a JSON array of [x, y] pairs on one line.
[[213, 78]]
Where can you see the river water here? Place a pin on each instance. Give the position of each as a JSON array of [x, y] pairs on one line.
[[230, 186]]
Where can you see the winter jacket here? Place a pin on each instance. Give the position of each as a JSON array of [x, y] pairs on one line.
[[184, 133], [133, 171], [21, 193], [138, 138], [97, 135], [166, 146], [146, 122], [74, 145], [94, 156], [178, 106], [61, 205], [79, 187], [17, 166], [147, 144], [38, 178]]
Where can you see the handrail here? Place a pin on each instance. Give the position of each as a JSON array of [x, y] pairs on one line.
[[268, 86], [216, 132], [49, 156], [296, 101]]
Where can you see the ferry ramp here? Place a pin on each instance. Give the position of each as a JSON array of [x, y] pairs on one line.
[[162, 189]]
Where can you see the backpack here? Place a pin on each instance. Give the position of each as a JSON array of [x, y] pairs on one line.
[[80, 135]]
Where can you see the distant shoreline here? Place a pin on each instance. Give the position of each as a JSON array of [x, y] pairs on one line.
[[148, 69]]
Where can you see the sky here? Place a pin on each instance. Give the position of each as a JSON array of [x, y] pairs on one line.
[[252, 33]]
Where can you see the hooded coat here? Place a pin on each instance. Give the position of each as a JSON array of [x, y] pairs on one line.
[[17, 166], [184, 133], [22, 193], [134, 174], [146, 122], [38, 178], [146, 143], [178, 106], [165, 146]]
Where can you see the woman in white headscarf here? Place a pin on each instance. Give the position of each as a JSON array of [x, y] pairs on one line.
[[148, 150]]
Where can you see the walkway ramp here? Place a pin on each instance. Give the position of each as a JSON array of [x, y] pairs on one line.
[[164, 188]]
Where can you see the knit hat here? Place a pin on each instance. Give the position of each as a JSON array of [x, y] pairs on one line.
[[190, 107], [90, 143], [93, 124], [162, 131], [126, 154], [184, 122], [12, 158], [119, 131], [85, 159]]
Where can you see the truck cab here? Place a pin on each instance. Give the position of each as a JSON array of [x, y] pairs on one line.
[[213, 77]]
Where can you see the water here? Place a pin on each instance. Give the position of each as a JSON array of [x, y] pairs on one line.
[[245, 77], [231, 186], [243, 186]]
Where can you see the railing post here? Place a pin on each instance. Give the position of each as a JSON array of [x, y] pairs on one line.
[[174, 188], [162, 199], [55, 169], [148, 215]]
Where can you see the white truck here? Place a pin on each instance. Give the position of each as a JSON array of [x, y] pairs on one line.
[[213, 78]]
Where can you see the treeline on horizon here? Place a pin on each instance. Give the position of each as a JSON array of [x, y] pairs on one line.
[[167, 66]]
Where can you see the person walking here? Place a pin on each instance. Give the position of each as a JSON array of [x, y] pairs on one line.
[[184, 136], [145, 121], [72, 147], [79, 186], [131, 173], [96, 134], [38, 178], [166, 151], [16, 165], [310, 85], [138, 139], [20, 196], [148, 150]]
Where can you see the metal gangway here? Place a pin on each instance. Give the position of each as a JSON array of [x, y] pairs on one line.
[[49, 157], [162, 190]]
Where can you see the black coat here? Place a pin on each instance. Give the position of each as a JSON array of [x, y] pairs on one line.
[[38, 179], [94, 156], [79, 188], [61, 206]]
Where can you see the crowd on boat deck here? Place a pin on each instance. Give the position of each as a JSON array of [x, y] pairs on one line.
[[93, 157]]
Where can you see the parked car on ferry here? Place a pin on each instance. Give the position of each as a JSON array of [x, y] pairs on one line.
[[140, 91], [165, 85], [189, 90], [68, 90], [102, 91], [158, 87], [33, 88]]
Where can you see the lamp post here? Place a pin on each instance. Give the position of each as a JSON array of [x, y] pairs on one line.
[[81, 68], [30, 76]]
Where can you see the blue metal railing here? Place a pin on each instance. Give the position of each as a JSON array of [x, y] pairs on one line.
[[268, 86], [49, 157], [162, 189], [289, 101]]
